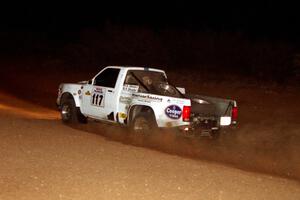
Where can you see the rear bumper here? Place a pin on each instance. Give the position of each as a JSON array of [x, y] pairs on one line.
[[199, 130]]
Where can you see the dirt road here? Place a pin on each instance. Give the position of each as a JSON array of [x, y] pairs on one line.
[[43, 159]]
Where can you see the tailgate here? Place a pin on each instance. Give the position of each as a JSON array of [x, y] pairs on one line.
[[221, 109]]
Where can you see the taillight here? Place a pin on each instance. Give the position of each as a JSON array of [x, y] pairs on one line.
[[234, 114], [186, 113]]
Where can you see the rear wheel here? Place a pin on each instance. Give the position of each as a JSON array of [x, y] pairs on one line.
[[70, 113], [143, 124]]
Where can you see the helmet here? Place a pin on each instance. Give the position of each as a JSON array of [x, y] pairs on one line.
[[147, 80]]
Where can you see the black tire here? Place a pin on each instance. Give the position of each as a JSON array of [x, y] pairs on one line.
[[144, 124], [70, 114]]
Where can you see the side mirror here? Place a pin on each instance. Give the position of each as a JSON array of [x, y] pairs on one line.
[[90, 81]]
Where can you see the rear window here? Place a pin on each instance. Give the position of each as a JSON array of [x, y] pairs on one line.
[[151, 82], [156, 77]]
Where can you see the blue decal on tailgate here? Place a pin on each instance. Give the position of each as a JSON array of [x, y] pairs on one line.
[[173, 112]]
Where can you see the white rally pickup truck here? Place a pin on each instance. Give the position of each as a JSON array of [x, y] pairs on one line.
[[143, 99]]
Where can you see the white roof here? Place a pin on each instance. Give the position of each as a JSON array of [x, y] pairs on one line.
[[138, 68]]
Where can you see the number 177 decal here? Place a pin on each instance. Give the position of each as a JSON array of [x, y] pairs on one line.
[[97, 98]]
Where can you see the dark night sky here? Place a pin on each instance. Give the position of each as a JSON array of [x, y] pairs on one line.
[[265, 19], [268, 33]]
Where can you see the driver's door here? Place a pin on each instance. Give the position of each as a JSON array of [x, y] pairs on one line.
[[99, 98]]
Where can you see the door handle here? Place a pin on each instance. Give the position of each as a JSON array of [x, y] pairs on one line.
[[109, 90]]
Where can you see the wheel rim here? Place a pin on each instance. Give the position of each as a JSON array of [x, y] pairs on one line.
[[66, 112]]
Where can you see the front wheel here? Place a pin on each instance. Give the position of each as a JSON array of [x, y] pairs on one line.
[[70, 113]]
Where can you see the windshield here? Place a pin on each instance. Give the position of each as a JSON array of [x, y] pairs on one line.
[[151, 82]]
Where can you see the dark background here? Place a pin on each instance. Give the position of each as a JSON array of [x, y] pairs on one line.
[[260, 40]]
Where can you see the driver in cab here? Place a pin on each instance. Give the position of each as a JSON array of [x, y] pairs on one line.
[[147, 81]]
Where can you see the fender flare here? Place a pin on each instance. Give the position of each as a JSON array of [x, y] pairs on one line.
[[68, 95]]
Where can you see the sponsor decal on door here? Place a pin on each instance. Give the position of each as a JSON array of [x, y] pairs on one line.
[[97, 97]]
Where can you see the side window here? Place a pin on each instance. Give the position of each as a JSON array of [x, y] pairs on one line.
[[107, 78], [130, 80]]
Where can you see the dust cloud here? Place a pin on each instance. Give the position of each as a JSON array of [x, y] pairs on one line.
[[255, 151]]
